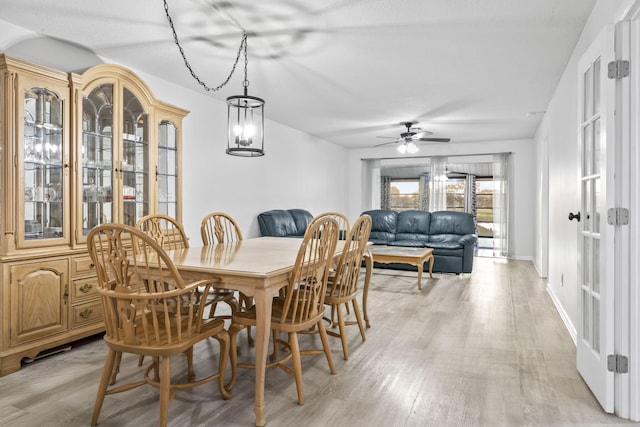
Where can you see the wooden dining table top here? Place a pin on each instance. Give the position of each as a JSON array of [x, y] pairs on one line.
[[260, 256], [262, 259]]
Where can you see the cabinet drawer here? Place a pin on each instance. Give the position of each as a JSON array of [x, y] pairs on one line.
[[82, 265], [85, 288], [83, 314]]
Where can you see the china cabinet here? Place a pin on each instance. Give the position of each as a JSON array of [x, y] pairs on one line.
[[76, 150]]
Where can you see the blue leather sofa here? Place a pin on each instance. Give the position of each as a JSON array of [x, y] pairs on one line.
[[284, 222], [451, 235]]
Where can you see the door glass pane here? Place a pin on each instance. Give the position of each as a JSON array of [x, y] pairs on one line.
[[597, 205], [596, 146], [43, 168], [586, 325], [167, 168], [588, 95], [596, 325], [586, 202], [586, 265], [596, 87], [587, 153], [135, 159], [596, 265], [97, 157]]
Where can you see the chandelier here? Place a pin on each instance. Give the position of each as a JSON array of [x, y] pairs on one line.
[[245, 114]]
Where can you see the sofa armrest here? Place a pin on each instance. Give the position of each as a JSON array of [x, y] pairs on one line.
[[468, 239]]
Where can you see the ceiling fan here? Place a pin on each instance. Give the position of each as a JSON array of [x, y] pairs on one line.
[[409, 138]]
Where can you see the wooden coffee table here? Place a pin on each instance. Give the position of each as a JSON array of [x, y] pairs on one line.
[[405, 255]]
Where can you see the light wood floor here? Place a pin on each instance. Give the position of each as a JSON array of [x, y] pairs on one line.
[[485, 349]]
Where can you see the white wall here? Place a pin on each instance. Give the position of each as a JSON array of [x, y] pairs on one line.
[[297, 171], [559, 127], [522, 189]]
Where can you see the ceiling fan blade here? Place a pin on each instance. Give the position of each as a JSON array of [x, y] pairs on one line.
[[386, 143], [421, 134], [394, 137], [435, 139]]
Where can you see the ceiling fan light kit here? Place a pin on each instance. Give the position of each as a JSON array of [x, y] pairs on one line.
[[408, 147], [408, 139]]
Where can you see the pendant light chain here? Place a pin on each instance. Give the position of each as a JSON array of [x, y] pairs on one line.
[[243, 47], [245, 82]]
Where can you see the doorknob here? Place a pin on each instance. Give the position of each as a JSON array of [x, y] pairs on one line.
[[573, 216]]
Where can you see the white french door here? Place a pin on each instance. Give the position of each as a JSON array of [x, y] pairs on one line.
[[596, 275]]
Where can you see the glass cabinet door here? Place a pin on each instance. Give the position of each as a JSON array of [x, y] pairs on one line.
[[167, 169], [43, 165], [135, 159], [127, 163], [97, 158]]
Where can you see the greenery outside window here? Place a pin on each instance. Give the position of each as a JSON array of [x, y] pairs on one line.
[[484, 206], [455, 194], [404, 194]]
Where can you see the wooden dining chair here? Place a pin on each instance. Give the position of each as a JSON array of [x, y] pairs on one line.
[[219, 227], [170, 235], [149, 310], [343, 222], [343, 227], [300, 307], [166, 231], [342, 287]]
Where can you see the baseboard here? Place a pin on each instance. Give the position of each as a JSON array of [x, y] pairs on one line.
[[522, 258], [563, 315]]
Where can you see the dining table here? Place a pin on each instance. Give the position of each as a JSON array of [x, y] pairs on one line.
[[258, 267]]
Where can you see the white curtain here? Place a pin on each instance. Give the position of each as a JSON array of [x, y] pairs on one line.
[[371, 191], [501, 174], [438, 183], [424, 192]]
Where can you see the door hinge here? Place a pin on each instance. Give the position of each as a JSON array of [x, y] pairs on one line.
[[618, 364], [618, 69], [618, 216]]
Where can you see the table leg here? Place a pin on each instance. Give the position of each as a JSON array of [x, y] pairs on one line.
[[263, 303], [431, 261], [368, 263], [420, 268]]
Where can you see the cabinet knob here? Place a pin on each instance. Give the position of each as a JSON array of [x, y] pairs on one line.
[[85, 288], [86, 313]]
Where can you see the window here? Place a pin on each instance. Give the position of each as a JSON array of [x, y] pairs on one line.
[[455, 194], [484, 207], [405, 194]]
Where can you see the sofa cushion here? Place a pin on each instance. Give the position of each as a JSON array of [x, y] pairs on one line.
[[450, 222], [412, 243], [413, 225], [456, 253], [302, 218], [447, 244], [446, 249], [383, 225], [284, 223]]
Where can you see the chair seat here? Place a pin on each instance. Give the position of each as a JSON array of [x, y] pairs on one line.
[[164, 345], [248, 318]]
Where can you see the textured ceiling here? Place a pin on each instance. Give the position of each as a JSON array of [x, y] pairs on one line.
[[344, 70]]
